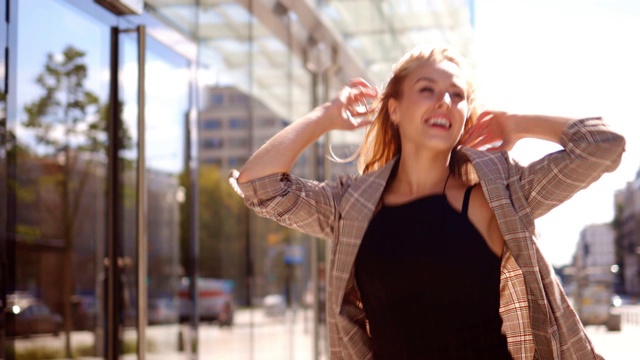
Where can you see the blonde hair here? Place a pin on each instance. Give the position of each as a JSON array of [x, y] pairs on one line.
[[382, 139]]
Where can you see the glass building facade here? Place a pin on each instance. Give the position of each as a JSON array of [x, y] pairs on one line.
[[119, 122]]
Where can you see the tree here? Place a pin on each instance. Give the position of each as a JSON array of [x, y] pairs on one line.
[[68, 125], [223, 232]]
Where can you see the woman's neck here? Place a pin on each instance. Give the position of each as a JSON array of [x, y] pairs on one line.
[[420, 173]]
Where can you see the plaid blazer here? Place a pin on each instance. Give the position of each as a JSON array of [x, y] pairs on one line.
[[538, 321]]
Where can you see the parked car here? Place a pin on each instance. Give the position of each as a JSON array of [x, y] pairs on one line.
[[27, 315], [215, 300], [595, 305], [274, 305], [84, 311], [163, 311], [19, 296]]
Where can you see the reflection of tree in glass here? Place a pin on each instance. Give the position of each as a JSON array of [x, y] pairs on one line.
[[221, 227], [69, 126], [222, 233]]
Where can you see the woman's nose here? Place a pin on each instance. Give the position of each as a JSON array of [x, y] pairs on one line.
[[445, 101]]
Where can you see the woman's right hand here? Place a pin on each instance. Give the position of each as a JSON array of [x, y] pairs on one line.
[[498, 130], [351, 108], [281, 151]]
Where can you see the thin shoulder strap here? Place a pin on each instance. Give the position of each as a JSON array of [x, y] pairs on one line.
[[445, 183], [465, 202]]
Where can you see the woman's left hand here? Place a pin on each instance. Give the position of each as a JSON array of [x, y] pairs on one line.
[[494, 131]]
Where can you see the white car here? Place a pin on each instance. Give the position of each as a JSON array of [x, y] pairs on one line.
[[215, 300], [274, 305]]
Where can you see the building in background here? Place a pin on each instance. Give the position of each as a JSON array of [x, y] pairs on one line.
[[227, 137], [627, 223], [103, 206], [596, 247], [595, 276], [595, 251]]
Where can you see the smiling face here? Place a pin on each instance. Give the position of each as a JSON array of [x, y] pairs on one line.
[[431, 108]]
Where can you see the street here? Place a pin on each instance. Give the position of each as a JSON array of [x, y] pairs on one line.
[[257, 337], [616, 345]]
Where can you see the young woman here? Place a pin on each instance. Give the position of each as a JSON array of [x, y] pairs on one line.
[[434, 253]]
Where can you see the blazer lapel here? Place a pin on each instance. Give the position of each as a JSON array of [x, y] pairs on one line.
[[356, 210]]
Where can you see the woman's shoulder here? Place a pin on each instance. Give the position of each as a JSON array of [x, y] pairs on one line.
[[489, 164]]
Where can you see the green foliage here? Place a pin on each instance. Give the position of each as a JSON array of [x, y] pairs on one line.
[[223, 231], [83, 350], [66, 124], [222, 225], [28, 232], [129, 346], [61, 114], [38, 353]]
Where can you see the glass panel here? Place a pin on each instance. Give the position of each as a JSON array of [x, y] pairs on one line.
[[127, 283], [166, 114], [225, 291], [60, 163], [5, 139], [253, 271]]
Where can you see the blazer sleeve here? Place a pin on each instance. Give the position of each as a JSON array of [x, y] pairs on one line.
[[305, 205], [591, 149]]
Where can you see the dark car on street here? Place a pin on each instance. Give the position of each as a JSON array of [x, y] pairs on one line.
[[26, 315]]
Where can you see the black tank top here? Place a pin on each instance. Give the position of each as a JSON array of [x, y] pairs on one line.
[[430, 284]]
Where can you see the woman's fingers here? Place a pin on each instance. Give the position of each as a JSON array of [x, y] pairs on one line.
[[481, 141], [359, 102], [475, 130], [356, 103], [484, 117], [358, 82], [486, 134]]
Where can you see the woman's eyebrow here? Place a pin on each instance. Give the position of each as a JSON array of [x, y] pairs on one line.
[[432, 80], [424, 78]]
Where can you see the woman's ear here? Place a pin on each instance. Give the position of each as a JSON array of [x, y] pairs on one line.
[[392, 108]]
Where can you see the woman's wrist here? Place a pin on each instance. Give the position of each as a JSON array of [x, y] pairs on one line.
[[325, 117], [539, 127]]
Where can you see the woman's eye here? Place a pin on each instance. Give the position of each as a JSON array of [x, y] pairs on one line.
[[426, 89], [457, 95]]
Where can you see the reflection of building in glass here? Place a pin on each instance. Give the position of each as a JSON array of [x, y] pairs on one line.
[[48, 222], [58, 211], [232, 127], [628, 227]]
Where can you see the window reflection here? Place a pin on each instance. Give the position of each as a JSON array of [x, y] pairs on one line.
[[211, 124], [59, 187], [59, 184]]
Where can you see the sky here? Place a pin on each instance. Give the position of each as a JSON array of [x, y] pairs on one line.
[[570, 58]]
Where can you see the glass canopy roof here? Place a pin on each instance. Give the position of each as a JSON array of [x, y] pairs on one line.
[[250, 42], [379, 31]]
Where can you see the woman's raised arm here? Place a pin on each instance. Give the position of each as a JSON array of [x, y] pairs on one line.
[[591, 149], [501, 130], [281, 151]]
